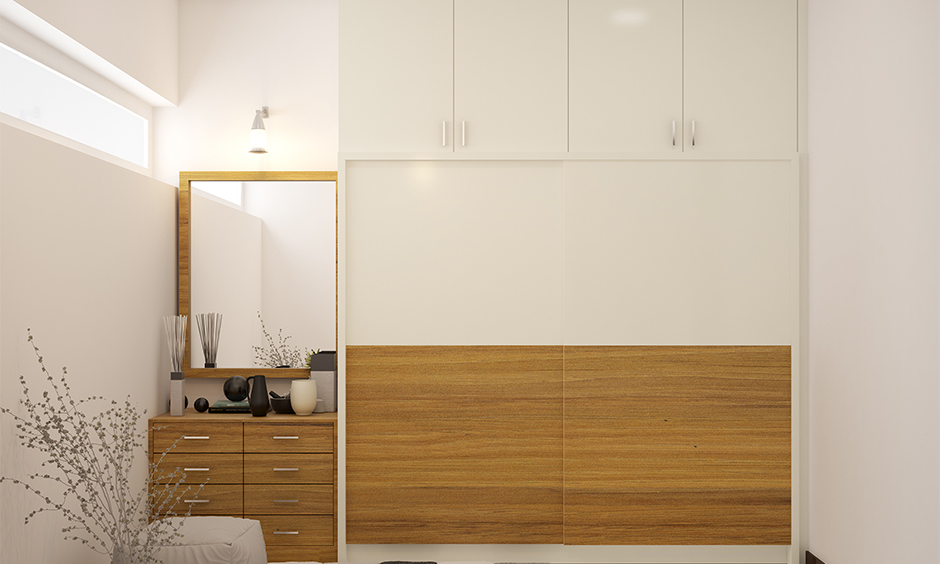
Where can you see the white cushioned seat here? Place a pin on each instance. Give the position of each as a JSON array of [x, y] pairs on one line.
[[217, 540]]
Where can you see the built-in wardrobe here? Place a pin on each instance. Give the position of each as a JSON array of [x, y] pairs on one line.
[[572, 260]]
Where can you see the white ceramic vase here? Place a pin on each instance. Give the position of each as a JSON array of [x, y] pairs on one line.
[[303, 396]]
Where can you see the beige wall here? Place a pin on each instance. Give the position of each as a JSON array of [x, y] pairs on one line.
[[87, 261], [139, 38], [236, 56], [874, 142]]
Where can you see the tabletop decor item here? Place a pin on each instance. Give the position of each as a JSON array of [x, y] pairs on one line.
[[258, 398], [175, 327], [210, 327], [89, 447], [303, 396], [277, 355]]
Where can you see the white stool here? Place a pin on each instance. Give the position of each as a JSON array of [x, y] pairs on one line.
[[216, 540]]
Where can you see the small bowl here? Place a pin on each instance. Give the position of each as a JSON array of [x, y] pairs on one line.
[[281, 405]]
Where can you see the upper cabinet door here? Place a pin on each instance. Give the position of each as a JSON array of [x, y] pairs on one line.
[[511, 75], [396, 76], [625, 78], [740, 62]]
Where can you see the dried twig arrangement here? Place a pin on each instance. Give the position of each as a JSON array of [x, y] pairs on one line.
[[277, 355], [175, 328], [86, 472], [210, 326]]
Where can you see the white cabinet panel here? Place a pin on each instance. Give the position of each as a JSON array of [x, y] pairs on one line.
[[453, 253], [741, 75], [625, 78], [672, 253], [396, 75], [511, 75]]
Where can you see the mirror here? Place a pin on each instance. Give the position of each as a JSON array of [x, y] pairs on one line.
[[264, 257]]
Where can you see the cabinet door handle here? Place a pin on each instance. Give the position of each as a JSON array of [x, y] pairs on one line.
[[276, 438], [194, 438], [286, 532], [673, 133], [195, 501], [195, 469], [693, 132], [444, 133], [285, 501], [463, 134], [286, 469]]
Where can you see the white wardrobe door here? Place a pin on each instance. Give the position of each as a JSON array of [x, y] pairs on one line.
[[740, 66], [677, 253], [454, 253], [510, 59], [625, 75], [396, 77]]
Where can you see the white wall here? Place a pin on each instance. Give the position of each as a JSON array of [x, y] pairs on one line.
[[874, 142], [139, 38], [236, 56], [88, 262]]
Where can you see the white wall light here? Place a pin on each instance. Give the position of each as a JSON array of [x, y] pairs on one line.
[[258, 143]]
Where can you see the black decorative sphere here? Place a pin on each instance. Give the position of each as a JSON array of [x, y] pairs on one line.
[[235, 388], [201, 405]]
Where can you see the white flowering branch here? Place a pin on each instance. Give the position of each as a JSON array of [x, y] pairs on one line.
[[88, 464], [277, 355]]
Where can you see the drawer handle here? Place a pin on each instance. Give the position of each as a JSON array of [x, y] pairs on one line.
[[188, 438], [195, 501], [195, 469], [286, 532], [276, 438], [286, 469], [285, 501]]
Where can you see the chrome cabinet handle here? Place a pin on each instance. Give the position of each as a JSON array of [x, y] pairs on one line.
[[444, 133], [285, 501], [195, 469], [195, 501], [194, 438], [693, 132], [286, 532], [673, 133], [286, 469], [286, 438], [463, 134]]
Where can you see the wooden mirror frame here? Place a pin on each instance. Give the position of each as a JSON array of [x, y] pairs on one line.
[[185, 257]]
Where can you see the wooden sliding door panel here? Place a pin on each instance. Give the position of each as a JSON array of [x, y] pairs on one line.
[[677, 445], [454, 444]]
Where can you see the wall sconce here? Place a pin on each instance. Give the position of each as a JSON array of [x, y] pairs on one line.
[[258, 143]]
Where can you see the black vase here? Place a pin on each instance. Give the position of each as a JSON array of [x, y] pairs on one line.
[[258, 397]]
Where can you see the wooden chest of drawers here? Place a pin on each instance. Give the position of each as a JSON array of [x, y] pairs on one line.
[[279, 470]]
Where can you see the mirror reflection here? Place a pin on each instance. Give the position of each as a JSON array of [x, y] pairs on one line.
[[263, 254]]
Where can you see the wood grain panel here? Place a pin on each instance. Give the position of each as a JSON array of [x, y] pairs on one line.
[[293, 499], [454, 444], [296, 530], [217, 499], [677, 445], [200, 467], [288, 437], [291, 468], [190, 437]]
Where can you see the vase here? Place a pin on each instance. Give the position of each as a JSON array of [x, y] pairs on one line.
[[303, 396]]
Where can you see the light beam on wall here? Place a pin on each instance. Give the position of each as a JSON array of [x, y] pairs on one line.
[[258, 142]]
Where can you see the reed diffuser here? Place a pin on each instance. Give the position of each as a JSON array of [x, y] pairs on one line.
[[210, 326], [175, 327]]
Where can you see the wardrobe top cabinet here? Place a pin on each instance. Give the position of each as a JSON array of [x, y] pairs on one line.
[[664, 77], [450, 76]]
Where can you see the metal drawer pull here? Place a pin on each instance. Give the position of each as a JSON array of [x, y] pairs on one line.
[[285, 501], [195, 469], [463, 134], [286, 532], [693, 132], [673, 133], [196, 438], [195, 501], [286, 438], [286, 469]]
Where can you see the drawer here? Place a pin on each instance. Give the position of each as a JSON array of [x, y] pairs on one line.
[[283, 499], [296, 530], [218, 499], [288, 438], [197, 437], [201, 467], [307, 553], [290, 468]]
